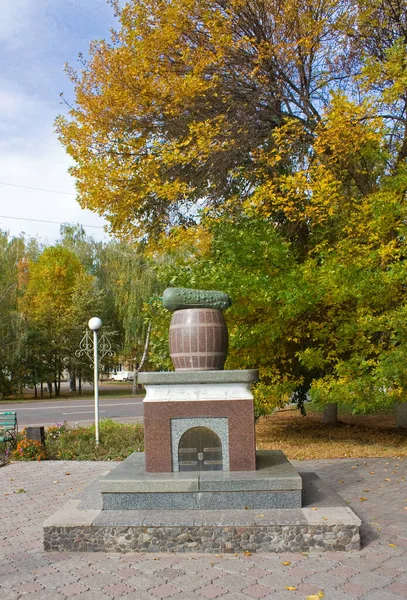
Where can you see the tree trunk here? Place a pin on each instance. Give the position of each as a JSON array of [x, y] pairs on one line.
[[330, 415], [42, 389], [49, 388], [401, 415], [72, 382], [58, 383], [80, 385], [143, 358], [35, 391]]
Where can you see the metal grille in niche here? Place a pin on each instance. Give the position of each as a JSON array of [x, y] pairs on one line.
[[200, 449]]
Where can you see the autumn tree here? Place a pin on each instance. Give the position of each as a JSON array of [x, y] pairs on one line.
[[127, 275], [282, 120], [56, 304], [171, 114]]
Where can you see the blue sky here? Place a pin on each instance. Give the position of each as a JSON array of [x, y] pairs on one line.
[[37, 37]]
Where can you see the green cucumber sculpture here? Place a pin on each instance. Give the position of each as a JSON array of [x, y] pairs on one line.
[[181, 298]]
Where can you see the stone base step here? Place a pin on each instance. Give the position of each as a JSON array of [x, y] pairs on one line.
[[324, 523]]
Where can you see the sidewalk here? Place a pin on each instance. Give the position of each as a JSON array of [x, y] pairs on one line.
[[375, 489]]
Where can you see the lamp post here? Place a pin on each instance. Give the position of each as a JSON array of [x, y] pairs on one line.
[[94, 325], [90, 348]]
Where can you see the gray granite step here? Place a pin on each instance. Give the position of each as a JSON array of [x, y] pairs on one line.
[[274, 484], [188, 377]]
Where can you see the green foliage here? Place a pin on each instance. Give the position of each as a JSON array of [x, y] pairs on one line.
[[13, 252], [259, 150], [117, 441]]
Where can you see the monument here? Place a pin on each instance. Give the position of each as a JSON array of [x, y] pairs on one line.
[[201, 485]]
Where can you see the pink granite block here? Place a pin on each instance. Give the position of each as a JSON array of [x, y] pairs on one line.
[[157, 427]]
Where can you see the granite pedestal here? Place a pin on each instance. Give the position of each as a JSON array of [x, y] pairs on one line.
[[274, 484], [257, 502], [219, 400]]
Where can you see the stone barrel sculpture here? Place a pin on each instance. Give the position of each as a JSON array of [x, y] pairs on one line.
[[198, 333]]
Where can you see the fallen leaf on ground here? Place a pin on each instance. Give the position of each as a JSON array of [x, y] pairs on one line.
[[392, 545], [314, 508], [325, 518], [368, 490], [286, 563], [361, 435], [315, 596], [371, 472], [247, 553], [387, 479], [290, 588], [67, 473], [21, 491], [363, 499]]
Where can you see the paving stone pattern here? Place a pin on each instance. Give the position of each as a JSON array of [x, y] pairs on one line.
[[31, 492]]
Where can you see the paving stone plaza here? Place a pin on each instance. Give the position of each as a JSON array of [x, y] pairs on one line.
[[375, 489]]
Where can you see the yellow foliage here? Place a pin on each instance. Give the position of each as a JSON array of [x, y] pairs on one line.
[[177, 108]]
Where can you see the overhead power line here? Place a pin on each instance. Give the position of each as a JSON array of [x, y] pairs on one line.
[[43, 221], [28, 187]]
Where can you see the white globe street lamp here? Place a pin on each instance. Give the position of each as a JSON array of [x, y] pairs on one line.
[[91, 350], [95, 324]]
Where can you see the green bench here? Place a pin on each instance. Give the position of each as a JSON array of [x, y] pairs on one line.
[[8, 428]]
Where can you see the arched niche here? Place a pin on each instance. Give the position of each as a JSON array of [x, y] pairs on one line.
[[200, 449], [203, 441]]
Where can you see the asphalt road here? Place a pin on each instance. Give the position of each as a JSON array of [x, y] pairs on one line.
[[50, 412]]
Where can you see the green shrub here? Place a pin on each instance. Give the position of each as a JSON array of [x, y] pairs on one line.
[[117, 441]]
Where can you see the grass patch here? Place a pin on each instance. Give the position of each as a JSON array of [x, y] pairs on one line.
[[28, 396], [117, 441], [306, 438]]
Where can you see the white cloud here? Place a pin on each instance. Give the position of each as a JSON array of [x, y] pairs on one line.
[[14, 18], [36, 38], [45, 167], [16, 105]]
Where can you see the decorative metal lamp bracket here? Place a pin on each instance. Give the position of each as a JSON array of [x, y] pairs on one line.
[[86, 347]]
